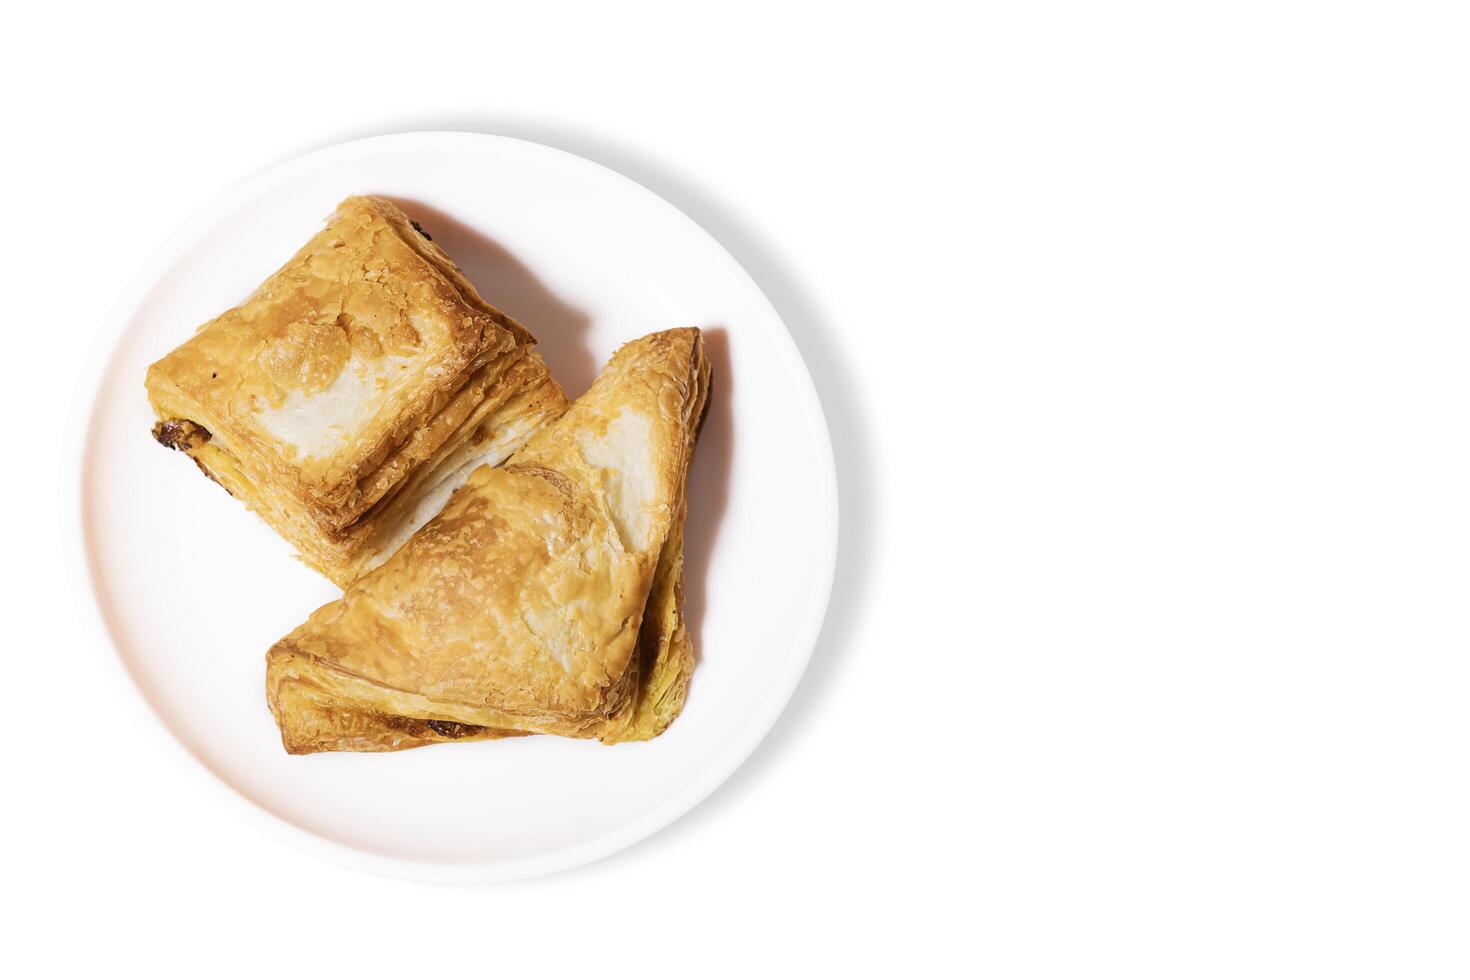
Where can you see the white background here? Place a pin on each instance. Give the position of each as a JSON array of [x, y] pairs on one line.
[[1141, 331]]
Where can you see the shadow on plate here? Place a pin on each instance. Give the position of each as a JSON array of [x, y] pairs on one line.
[[709, 483], [506, 283]]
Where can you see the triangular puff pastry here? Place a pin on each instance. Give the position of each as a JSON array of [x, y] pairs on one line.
[[547, 596], [353, 390]]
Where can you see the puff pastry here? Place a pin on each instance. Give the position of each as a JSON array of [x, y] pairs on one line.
[[546, 597], [351, 391]]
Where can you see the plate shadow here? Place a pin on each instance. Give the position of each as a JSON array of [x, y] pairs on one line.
[[709, 483], [506, 283]]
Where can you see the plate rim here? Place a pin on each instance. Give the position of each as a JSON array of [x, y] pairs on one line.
[[97, 636]]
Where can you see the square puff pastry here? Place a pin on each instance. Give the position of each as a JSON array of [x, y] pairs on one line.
[[546, 597], [361, 376]]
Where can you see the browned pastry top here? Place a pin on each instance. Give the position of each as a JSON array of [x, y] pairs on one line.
[[338, 357]]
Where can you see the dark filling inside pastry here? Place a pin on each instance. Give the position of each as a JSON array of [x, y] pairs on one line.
[[181, 434]]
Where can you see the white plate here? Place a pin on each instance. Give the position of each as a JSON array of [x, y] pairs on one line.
[[190, 589]]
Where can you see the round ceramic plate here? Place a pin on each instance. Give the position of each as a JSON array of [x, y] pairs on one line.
[[190, 589]]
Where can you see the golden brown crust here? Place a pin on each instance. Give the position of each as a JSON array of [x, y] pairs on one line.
[[521, 607], [322, 725], [363, 360]]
